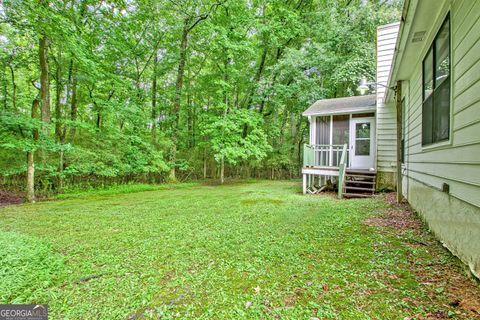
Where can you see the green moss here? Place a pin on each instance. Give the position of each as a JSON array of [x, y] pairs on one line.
[[385, 181]]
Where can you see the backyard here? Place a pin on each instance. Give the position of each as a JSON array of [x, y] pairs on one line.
[[245, 250]]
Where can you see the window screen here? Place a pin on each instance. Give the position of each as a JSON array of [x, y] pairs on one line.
[[436, 88]]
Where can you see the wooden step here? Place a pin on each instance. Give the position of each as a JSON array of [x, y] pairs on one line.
[[359, 184], [359, 189], [360, 181], [362, 172], [359, 176], [357, 195]]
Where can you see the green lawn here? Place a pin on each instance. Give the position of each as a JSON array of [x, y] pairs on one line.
[[249, 250]]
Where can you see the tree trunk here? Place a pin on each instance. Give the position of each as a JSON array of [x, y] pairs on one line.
[[59, 129], [248, 99], [5, 87], [60, 170], [222, 171], [73, 103], [14, 88], [30, 177], [178, 95], [194, 118], [58, 98], [154, 98], [44, 82], [97, 109], [189, 119], [99, 119], [31, 159], [204, 163]]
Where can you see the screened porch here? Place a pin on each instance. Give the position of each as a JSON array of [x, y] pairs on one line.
[[342, 137]]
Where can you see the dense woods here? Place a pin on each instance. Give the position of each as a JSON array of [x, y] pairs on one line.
[[101, 92]]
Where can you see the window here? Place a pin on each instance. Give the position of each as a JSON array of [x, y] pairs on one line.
[[436, 88], [362, 139]]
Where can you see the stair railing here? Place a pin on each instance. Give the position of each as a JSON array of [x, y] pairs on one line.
[[341, 171]]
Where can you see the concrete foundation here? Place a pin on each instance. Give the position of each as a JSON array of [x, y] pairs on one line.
[[454, 222], [385, 180]]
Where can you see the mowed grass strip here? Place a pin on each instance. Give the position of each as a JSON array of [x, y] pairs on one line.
[[243, 251]]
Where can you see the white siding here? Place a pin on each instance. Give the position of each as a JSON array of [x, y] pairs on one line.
[[457, 162], [386, 115]]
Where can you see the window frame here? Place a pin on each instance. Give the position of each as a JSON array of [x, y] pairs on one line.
[[432, 50]]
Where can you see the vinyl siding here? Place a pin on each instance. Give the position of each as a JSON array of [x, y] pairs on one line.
[[457, 162], [386, 115]]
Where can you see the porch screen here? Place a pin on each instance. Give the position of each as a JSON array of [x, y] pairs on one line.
[[323, 130], [340, 132]]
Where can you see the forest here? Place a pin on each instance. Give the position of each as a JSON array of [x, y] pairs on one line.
[[94, 93]]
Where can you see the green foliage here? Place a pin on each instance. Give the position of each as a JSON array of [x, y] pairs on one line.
[[28, 267], [237, 136], [114, 70]]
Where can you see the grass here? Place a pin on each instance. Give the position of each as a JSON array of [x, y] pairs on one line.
[[240, 251], [120, 189]]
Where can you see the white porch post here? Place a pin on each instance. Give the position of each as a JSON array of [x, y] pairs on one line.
[[330, 160], [311, 120], [304, 183], [350, 141], [313, 135]]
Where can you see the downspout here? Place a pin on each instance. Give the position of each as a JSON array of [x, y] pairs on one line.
[[398, 93]]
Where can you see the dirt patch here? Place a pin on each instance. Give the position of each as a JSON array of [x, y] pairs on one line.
[[398, 218], [462, 292], [445, 275], [291, 299], [7, 198]]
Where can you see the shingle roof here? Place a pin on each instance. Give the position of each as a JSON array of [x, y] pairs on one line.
[[342, 105]]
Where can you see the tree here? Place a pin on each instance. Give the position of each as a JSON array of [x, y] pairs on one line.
[[145, 90], [230, 144]]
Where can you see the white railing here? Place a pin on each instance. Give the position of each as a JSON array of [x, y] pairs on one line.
[[324, 155], [341, 171]]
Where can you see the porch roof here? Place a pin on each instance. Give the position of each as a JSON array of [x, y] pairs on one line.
[[355, 104]]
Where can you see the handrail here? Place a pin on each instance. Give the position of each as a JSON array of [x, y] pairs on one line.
[[307, 155], [322, 155], [341, 171]]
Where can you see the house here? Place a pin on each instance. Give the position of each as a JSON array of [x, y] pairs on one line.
[[427, 120], [364, 126], [436, 70]]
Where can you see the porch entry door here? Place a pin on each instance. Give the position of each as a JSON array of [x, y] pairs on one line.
[[362, 143]]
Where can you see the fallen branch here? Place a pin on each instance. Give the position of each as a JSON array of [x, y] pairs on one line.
[[95, 276], [178, 298]]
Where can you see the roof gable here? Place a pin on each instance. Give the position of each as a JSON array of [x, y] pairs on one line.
[[356, 104]]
